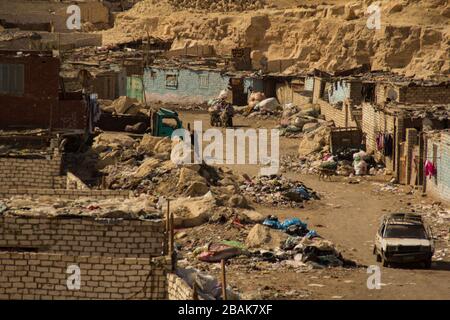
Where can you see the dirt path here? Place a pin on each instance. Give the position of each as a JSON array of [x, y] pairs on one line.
[[348, 215]]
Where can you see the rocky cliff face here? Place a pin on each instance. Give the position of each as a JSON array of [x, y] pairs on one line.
[[414, 38]]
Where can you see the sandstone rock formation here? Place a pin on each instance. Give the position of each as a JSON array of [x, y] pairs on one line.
[[414, 38]]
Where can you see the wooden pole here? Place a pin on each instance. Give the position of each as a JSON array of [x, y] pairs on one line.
[[167, 247], [168, 216], [224, 280], [172, 242], [195, 292]]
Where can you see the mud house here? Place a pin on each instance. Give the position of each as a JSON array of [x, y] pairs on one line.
[[413, 92], [31, 95], [340, 99], [393, 134], [174, 85], [437, 153], [198, 81]]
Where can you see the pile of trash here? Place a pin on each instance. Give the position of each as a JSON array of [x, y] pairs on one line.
[[277, 191], [315, 156], [293, 244], [289, 242]]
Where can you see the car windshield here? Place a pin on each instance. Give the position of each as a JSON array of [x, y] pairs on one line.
[[405, 231]]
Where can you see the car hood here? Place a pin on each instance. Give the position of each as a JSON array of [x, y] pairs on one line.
[[406, 242]]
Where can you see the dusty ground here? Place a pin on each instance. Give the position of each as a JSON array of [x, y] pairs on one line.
[[348, 215]]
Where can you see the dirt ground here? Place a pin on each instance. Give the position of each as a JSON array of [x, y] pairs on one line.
[[348, 215]]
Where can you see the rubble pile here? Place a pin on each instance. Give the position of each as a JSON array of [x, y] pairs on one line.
[[260, 107], [277, 191], [133, 208], [220, 6], [124, 105], [144, 166], [296, 121]]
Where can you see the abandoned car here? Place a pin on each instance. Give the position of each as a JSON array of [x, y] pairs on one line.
[[403, 238]]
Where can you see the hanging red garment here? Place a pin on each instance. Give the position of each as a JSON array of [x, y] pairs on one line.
[[430, 169], [380, 141]]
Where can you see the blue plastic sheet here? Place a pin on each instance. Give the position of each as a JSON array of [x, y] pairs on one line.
[[311, 234], [275, 224]]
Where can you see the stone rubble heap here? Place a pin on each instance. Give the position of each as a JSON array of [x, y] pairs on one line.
[[218, 5]]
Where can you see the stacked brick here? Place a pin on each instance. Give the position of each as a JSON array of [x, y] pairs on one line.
[[84, 236], [31, 173], [374, 121], [425, 94], [177, 288], [342, 116], [117, 258], [413, 94], [65, 193], [28, 276]]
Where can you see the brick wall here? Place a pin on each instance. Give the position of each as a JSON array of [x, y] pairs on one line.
[[177, 288], [65, 193], [439, 186], [31, 173], [341, 116], [374, 121], [428, 94], [75, 183], [413, 94], [44, 276], [83, 236]]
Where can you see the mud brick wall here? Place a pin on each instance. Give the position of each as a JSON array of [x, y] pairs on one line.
[[428, 94], [31, 173], [83, 236], [177, 288], [382, 91], [65, 193], [439, 186], [374, 121], [342, 117], [27, 276]]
